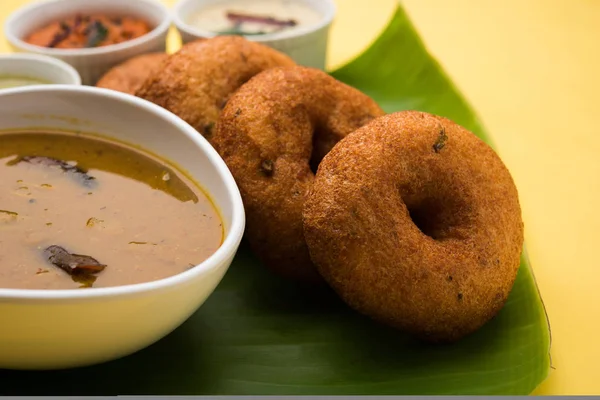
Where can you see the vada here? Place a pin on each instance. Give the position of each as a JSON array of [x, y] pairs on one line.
[[196, 82], [416, 222], [271, 131], [129, 76]]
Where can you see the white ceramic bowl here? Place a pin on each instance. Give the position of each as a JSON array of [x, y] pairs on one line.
[[305, 45], [34, 66], [51, 329], [91, 63]]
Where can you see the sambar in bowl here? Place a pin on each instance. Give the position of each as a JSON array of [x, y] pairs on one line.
[[117, 221]]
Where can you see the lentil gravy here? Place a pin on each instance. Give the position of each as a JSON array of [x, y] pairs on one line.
[[79, 211]]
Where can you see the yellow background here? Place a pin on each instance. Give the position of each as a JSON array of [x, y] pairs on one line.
[[531, 69]]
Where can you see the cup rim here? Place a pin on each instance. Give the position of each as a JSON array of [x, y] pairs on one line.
[[161, 29], [183, 26], [74, 76], [231, 240]]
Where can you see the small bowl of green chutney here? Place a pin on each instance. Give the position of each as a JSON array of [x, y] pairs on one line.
[[23, 69]]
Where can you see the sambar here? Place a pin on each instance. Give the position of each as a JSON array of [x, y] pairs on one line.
[[81, 211]]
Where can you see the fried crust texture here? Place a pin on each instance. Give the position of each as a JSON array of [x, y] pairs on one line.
[[129, 76], [273, 129], [195, 82], [415, 222]]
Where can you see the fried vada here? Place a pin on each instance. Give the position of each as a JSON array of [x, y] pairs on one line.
[[415, 222], [271, 131], [129, 76], [196, 82]]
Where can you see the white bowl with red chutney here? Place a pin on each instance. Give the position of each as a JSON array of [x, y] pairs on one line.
[[117, 221], [90, 35]]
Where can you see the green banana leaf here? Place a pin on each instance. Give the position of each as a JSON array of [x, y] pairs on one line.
[[258, 334]]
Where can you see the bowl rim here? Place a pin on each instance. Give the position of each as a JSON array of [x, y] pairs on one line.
[[184, 27], [231, 240], [161, 29], [44, 59]]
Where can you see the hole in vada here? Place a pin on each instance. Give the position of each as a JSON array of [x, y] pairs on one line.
[[440, 217], [314, 162], [322, 143], [439, 208], [427, 218]]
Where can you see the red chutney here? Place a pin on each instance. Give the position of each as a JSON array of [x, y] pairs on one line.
[[85, 31]]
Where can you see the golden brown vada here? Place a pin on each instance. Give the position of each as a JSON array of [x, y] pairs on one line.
[[269, 133], [196, 82], [416, 222], [129, 76]]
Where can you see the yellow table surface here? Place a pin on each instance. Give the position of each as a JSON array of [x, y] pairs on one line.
[[531, 69]]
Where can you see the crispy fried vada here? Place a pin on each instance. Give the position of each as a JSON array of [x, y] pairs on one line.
[[415, 222], [196, 81], [129, 76], [271, 131]]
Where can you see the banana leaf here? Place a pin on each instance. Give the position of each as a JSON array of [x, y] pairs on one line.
[[258, 334]]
